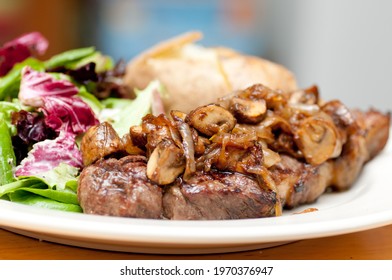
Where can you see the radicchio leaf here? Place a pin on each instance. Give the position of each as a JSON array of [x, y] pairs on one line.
[[31, 128], [21, 48], [34, 41], [84, 73], [35, 85], [69, 114], [48, 154], [56, 99]]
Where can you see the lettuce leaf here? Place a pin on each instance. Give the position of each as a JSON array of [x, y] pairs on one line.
[[69, 114], [10, 83], [49, 154], [58, 177], [21, 48], [56, 99], [102, 62], [60, 196], [55, 189], [34, 41], [26, 197], [20, 183], [67, 57], [36, 85], [6, 108], [124, 113], [90, 100]]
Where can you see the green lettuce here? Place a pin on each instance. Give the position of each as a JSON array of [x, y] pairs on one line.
[[54, 189], [124, 113], [10, 83]]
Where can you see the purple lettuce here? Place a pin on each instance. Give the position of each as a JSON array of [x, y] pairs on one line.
[[69, 114], [36, 85], [64, 113], [31, 128], [56, 99], [19, 49], [48, 154]]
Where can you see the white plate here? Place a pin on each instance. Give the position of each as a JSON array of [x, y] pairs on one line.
[[366, 205]]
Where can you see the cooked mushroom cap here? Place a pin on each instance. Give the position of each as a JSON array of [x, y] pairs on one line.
[[137, 136], [305, 96], [129, 147], [247, 110], [165, 163], [99, 141], [211, 119], [318, 139]]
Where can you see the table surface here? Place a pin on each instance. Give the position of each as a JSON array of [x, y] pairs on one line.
[[374, 244]]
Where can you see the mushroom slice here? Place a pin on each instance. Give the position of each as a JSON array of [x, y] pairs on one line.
[[309, 96], [138, 137], [211, 119], [247, 110], [274, 99], [166, 163], [158, 128], [129, 147], [98, 142], [318, 139]]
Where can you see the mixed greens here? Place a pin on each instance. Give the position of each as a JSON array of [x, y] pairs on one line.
[[45, 108]]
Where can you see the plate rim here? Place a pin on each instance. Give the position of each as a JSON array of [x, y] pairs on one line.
[[220, 233]]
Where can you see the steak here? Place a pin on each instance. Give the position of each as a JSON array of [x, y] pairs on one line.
[[252, 154], [119, 187], [300, 183], [217, 196]]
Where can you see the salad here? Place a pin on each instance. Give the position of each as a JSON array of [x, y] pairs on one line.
[[46, 106]]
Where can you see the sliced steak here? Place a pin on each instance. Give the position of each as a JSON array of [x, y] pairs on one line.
[[119, 188], [300, 183], [216, 196]]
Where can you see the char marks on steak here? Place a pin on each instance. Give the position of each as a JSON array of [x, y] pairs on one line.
[[218, 196], [119, 187], [298, 182], [251, 154]]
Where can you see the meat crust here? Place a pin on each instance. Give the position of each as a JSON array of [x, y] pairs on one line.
[[119, 188], [300, 183], [251, 154], [218, 196]]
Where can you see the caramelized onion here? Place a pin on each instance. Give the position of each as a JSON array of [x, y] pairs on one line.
[[187, 144]]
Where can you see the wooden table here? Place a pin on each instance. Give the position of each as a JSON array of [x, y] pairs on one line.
[[375, 244]]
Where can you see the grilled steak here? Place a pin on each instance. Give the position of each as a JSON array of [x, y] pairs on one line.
[[253, 153], [119, 188], [217, 196], [300, 183]]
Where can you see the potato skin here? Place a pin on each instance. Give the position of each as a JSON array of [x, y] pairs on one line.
[[195, 76]]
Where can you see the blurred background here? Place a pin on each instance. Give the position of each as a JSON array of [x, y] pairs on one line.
[[344, 47]]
